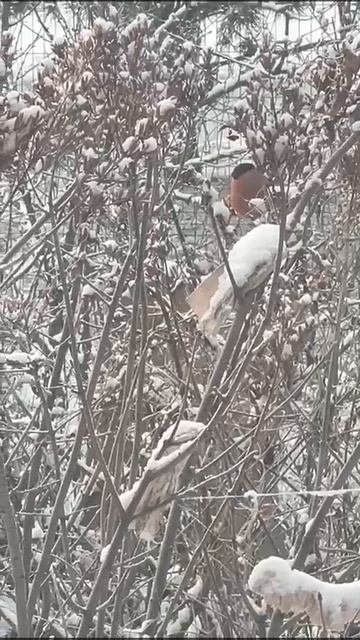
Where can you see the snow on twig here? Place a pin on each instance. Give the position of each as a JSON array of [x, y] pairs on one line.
[[159, 481], [240, 79], [294, 591]]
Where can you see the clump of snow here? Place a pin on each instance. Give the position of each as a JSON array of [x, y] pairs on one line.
[[165, 465], [125, 164], [103, 26], [314, 181], [221, 210], [184, 615], [89, 154], [287, 120], [37, 532], [355, 127], [59, 41], [81, 100], [203, 266], [96, 189], [30, 113], [88, 291], [260, 154], [287, 352], [48, 65], [295, 591], [251, 261], [166, 106], [111, 245], [129, 144], [104, 552], [85, 35], [210, 191], [141, 125], [251, 137], [21, 358], [150, 145], [270, 130], [188, 68], [305, 300], [281, 147]]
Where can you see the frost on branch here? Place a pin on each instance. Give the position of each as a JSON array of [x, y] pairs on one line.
[[251, 261], [160, 479], [294, 591]]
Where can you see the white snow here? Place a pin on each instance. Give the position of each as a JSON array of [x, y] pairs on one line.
[[176, 627], [186, 431], [88, 291], [81, 100], [355, 127], [281, 146], [241, 105], [260, 154], [348, 339], [188, 68], [202, 265], [305, 300], [125, 163], [150, 145], [37, 532], [103, 25], [141, 125], [96, 189], [129, 143], [85, 34], [314, 181], [89, 153], [163, 458], [270, 130], [287, 352], [21, 358], [111, 245], [296, 591], [210, 191], [287, 120], [32, 112], [251, 260], [220, 209], [59, 41], [9, 143], [293, 192], [87, 76], [104, 552], [166, 106], [237, 80], [48, 65], [251, 137]]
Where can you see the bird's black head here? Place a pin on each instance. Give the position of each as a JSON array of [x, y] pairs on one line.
[[241, 169]]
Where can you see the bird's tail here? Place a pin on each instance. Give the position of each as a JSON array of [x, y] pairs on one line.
[[211, 322]]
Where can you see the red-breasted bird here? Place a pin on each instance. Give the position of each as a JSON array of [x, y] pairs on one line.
[[247, 182]]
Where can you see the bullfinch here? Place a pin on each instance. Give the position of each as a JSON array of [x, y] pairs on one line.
[[247, 182]]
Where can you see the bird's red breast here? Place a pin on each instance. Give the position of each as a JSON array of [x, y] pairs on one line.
[[247, 182]]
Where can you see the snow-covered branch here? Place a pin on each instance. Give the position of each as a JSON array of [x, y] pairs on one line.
[[240, 79], [161, 474], [294, 591]]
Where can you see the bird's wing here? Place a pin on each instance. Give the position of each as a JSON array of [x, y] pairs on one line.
[[199, 299]]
